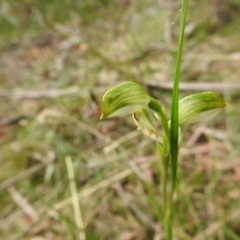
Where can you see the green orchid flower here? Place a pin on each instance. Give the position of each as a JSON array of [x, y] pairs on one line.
[[131, 98], [124, 99], [197, 107]]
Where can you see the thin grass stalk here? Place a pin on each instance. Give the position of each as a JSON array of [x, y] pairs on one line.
[[174, 118], [75, 201]]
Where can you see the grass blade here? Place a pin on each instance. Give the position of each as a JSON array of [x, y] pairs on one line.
[[175, 97], [175, 117]]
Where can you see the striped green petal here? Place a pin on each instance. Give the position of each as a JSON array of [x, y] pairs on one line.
[[198, 106], [124, 99]]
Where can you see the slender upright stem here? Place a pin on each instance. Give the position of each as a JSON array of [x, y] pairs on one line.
[[174, 119], [164, 189]]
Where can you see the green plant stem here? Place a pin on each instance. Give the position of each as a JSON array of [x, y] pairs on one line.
[[164, 188], [165, 197], [175, 120]]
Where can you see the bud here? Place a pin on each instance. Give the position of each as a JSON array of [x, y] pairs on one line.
[[124, 99], [195, 107]]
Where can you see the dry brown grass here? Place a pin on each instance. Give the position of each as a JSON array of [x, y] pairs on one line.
[[96, 47]]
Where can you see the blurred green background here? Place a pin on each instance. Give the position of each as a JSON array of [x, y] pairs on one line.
[[57, 59]]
